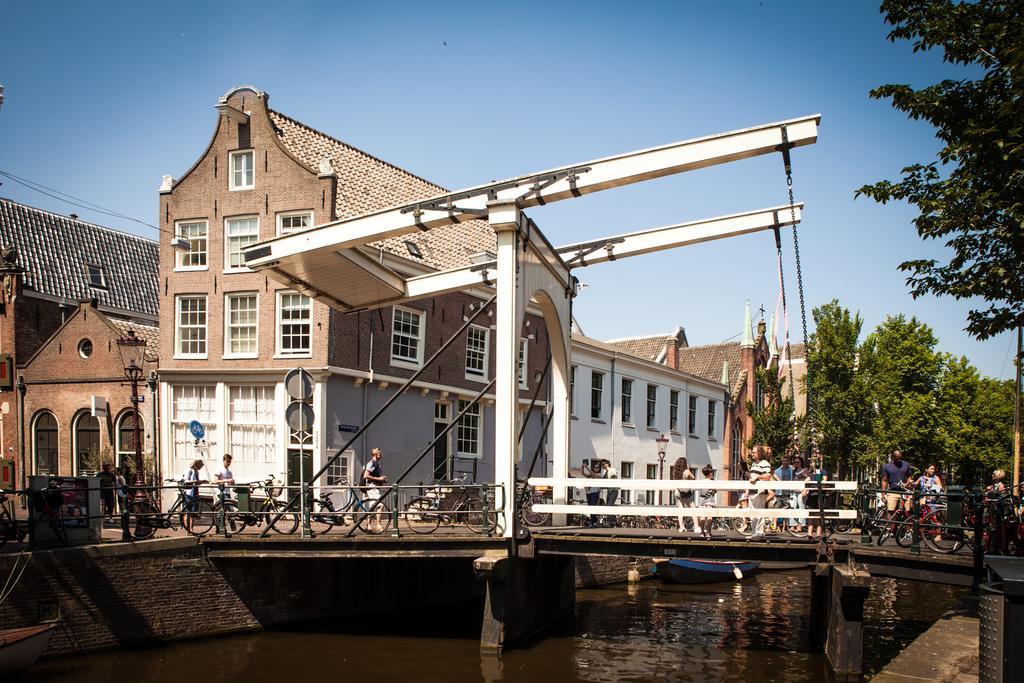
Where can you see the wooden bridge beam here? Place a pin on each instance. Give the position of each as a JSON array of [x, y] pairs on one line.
[[836, 618]]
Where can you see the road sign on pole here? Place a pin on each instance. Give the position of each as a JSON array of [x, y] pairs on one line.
[[298, 384], [196, 429]]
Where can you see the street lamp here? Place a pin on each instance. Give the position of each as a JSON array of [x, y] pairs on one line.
[[133, 355], [662, 442]]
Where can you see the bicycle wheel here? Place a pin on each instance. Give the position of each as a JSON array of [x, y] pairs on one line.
[[201, 517], [420, 515], [286, 524], [232, 520], [142, 518], [904, 533], [843, 526], [373, 517], [743, 525], [475, 519], [939, 537], [531, 516], [321, 517]]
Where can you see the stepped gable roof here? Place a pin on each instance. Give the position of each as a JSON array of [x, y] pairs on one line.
[[367, 184], [706, 361], [55, 251], [148, 333]]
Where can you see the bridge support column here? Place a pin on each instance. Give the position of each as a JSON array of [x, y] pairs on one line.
[[524, 597], [837, 617]]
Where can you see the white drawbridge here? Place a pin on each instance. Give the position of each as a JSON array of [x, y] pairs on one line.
[[329, 263]]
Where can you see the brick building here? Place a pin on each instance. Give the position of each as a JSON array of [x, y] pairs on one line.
[[70, 290], [230, 335]]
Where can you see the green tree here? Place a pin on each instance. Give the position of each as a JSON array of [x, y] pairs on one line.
[[836, 387], [970, 197], [775, 423], [902, 370]]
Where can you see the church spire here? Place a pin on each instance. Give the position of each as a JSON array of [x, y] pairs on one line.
[[748, 329], [773, 342]]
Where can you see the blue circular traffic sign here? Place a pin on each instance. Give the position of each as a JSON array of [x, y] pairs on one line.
[[195, 427]]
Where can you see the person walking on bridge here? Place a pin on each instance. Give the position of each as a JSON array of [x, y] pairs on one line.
[[708, 498], [760, 498], [373, 477], [895, 475], [610, 495]]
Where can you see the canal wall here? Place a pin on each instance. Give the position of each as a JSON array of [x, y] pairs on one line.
[[162, 590], [945, 653], [602, 570]]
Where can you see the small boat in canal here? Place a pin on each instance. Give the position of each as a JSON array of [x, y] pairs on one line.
[[21, 647], [703, 571]]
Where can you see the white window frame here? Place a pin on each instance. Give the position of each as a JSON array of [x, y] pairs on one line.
[[229, 327], [191, 402], [600, 395], [255, 237], [572, 391], [402, 361], [465, 426], [651, 413], [292, 214], [471, 373], [626, 401], [251, 438], [626, 470], [238, 154], [523, 365], [124, 451], [178, 353], [179, 256], [280, 351]]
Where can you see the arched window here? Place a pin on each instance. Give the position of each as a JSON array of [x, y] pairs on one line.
[[44, 443], [87, 444], [126, 438]]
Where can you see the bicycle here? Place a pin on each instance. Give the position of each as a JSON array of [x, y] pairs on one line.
[[324, 516], [424, 514], [275, 511], [528, 496], [194, 514]]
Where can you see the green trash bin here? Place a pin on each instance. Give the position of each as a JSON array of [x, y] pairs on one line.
[[955, 505], [242, 494]]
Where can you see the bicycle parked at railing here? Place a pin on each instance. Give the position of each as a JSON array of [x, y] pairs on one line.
[[275, 512], [189, 512], [450, 503], [528, 497], [370, 515]]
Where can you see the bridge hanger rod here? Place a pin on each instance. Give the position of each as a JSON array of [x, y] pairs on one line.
[[566, 182], [612, 248]]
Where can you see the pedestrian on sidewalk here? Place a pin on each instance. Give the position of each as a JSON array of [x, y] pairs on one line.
[[592, 470], [610, 495], [373, 477], [107, 483], [707, 500]]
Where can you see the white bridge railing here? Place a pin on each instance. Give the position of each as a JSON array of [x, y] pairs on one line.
[[693, 485]]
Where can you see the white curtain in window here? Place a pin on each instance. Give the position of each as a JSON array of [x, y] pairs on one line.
[[190, 402], [252, 436]]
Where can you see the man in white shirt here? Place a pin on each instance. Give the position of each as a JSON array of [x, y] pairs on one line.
[[225, 478]]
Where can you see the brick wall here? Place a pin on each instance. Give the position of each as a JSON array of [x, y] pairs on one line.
[[602, 570], [281, 184], [163, 590], [59, 379]]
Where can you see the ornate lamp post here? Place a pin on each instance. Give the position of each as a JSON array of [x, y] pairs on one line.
[[662, 442], [133, 353]]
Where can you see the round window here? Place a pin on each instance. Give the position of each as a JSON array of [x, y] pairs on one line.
[[85, 348]]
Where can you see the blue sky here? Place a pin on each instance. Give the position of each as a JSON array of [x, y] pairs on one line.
[[104, 98]]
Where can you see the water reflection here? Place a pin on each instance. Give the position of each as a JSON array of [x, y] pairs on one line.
[[748, 631]]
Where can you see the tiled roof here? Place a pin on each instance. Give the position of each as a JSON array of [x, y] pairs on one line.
[[367, 184], [55, 249], [148, 333], [706, 361], [645, 347]]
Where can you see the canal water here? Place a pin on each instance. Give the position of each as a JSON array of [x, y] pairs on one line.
[[754, 630]]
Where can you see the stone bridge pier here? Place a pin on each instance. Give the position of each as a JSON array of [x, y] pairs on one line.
[[836, 619], [524, 596]]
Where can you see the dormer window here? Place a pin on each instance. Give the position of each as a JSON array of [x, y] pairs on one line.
[[243, 174], [97, 276]]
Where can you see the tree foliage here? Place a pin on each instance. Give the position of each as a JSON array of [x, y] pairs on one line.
[[972, 196], [836, 388], [901, 370], [775, 423]]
